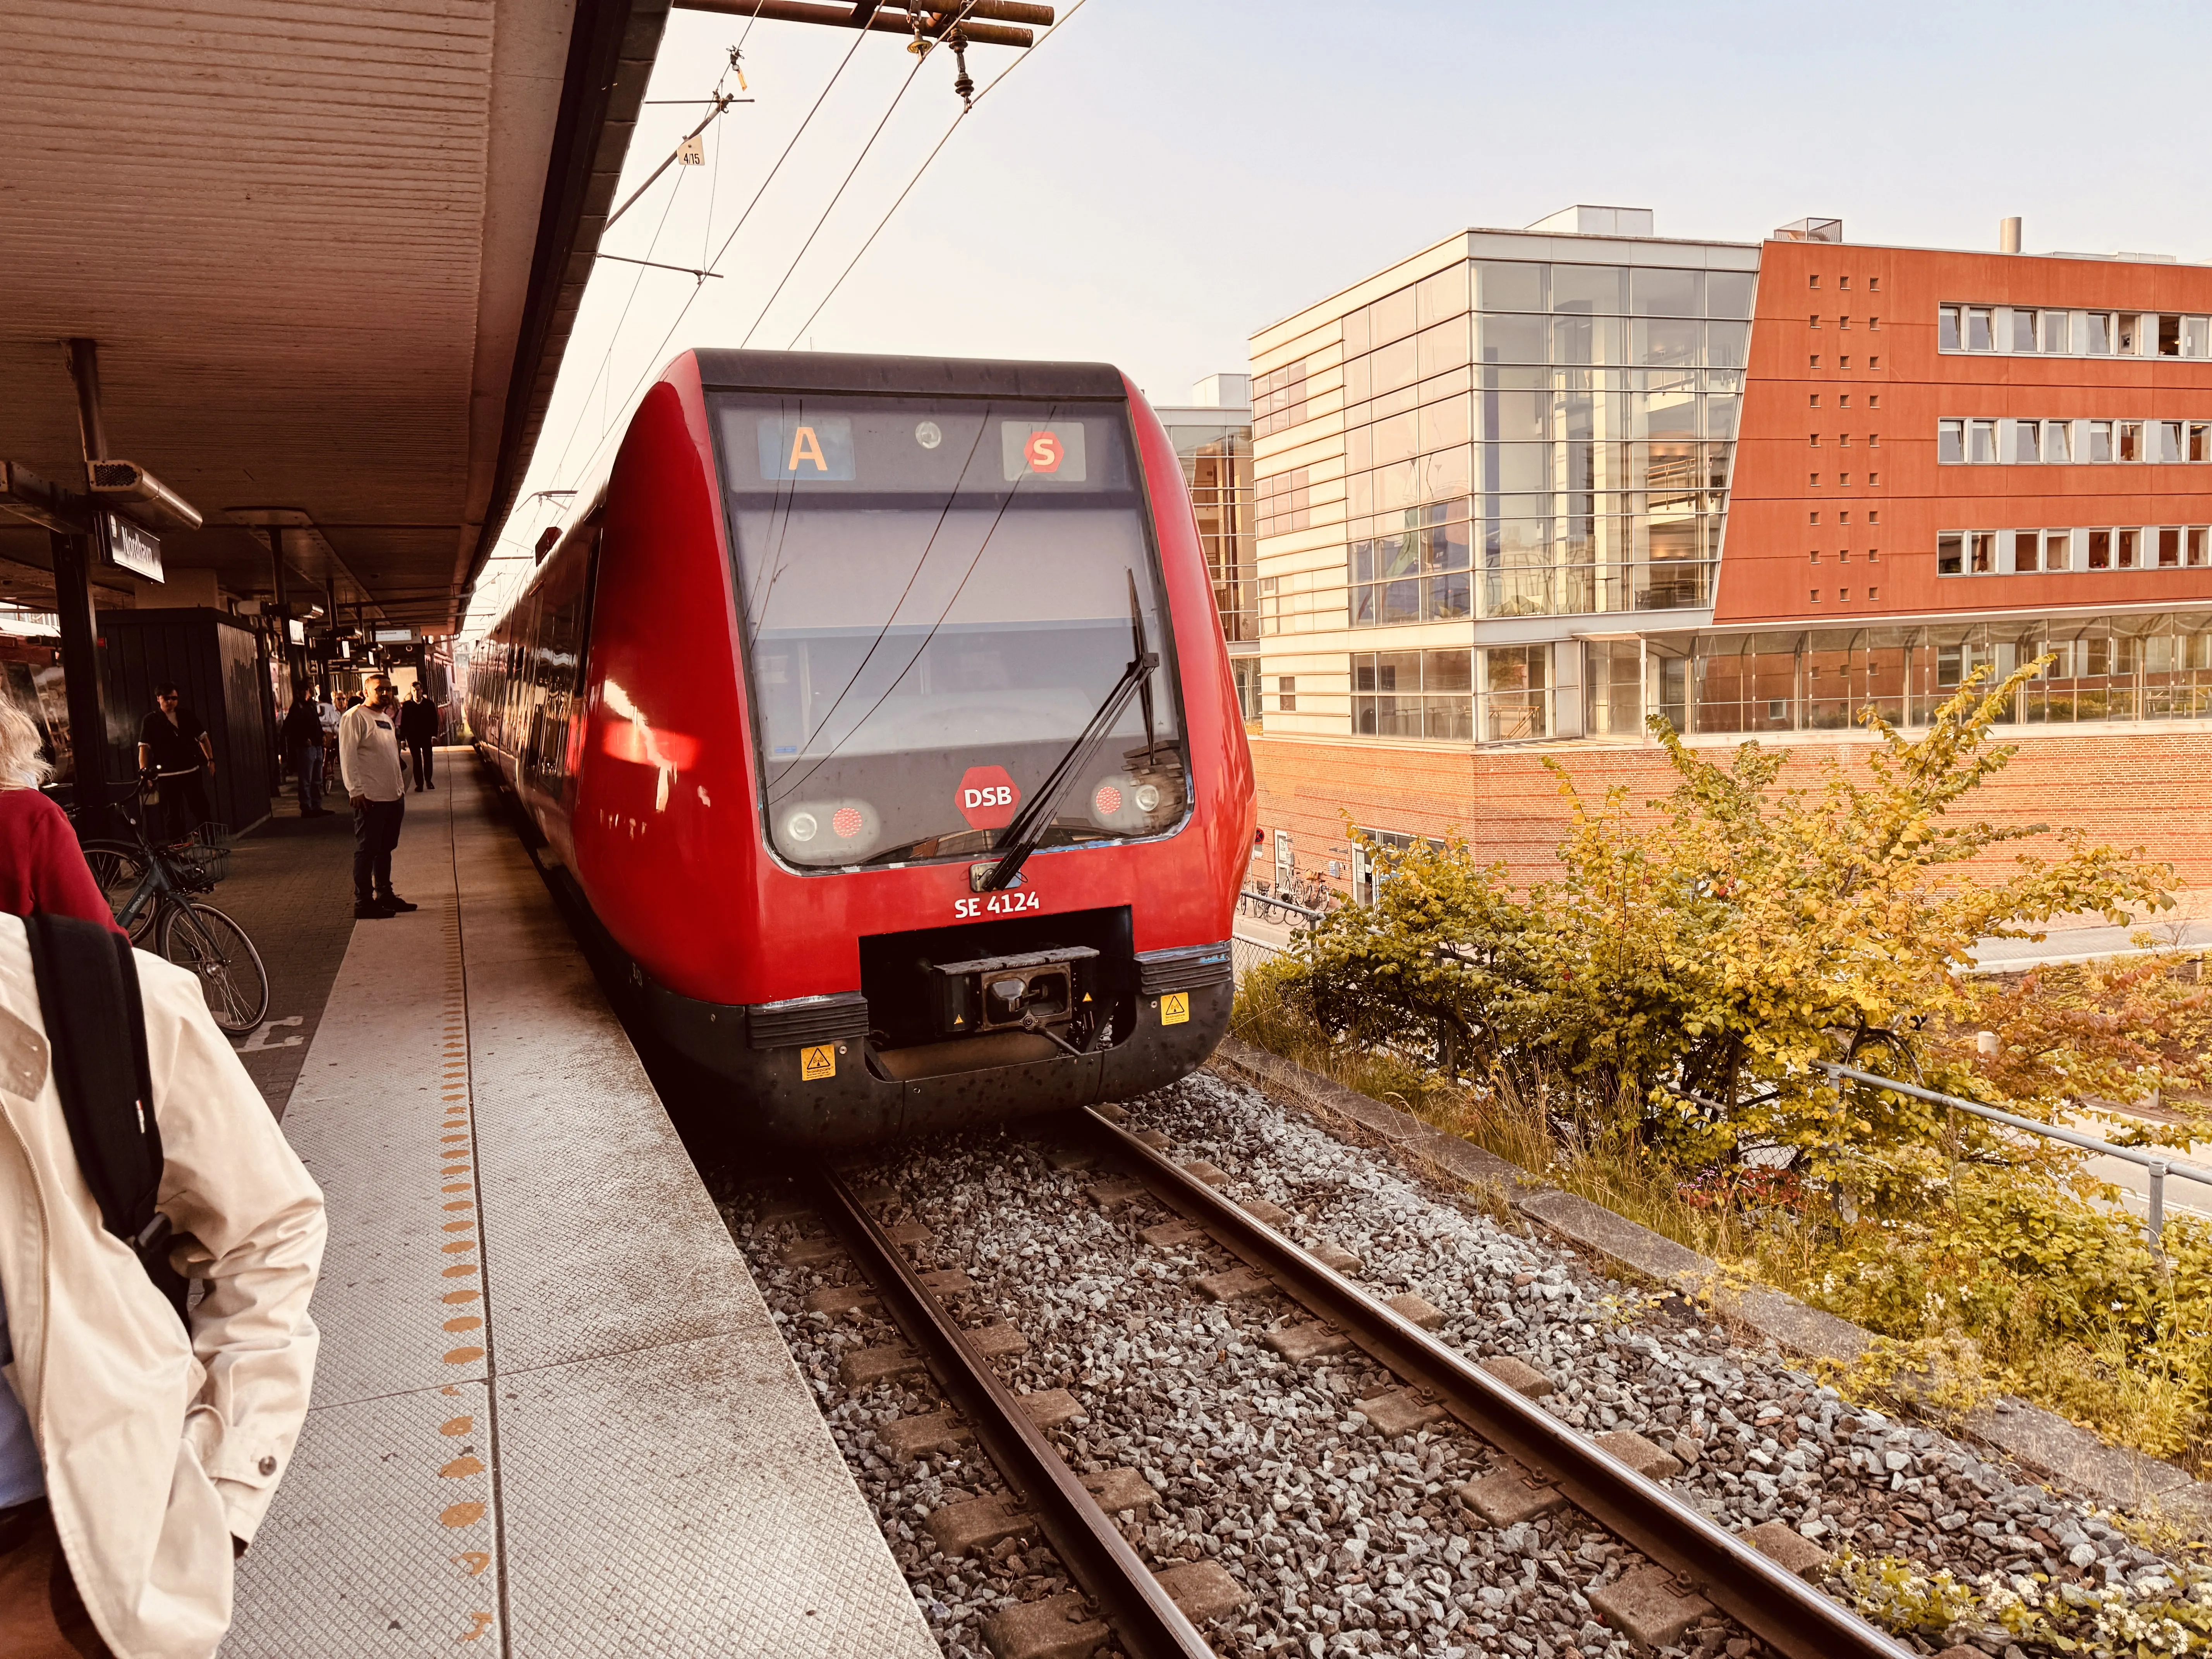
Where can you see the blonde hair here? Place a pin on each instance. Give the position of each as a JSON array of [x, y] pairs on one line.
[[23, 763]]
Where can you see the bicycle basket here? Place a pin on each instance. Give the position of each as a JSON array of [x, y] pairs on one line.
[[209, 855]]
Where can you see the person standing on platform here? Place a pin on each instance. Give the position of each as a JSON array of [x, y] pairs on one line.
[[172, 740], [418, 730], [140, 1444], [369, 761], [302, 735]]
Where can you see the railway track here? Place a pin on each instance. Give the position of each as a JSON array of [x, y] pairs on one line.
[[1696, 1568]]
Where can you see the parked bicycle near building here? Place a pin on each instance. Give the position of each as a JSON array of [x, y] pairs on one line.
[[154, 891]]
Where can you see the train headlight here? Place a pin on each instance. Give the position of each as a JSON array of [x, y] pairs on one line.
[[1147, 797], [830, 832]]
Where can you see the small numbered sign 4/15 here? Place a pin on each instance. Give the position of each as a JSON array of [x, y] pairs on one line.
[[1175, 1008], [818, 1062]]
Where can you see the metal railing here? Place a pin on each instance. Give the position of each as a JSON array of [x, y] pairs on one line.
[[1247, 952], [2157, 1167]]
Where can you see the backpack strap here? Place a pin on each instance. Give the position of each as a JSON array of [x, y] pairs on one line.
[[96, 1031]]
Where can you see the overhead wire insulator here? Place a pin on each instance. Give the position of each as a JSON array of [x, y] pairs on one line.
[[961, 82]]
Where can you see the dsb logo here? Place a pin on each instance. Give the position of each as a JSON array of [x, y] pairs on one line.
[[987, 798]]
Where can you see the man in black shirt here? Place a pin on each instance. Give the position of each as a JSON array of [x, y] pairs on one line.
[[418, 730], [173, 740]]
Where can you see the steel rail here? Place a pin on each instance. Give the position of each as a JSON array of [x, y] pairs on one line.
[[1772, 1603], [1148, 1622]]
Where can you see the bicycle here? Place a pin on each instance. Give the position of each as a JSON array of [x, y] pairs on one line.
[[155, 891]]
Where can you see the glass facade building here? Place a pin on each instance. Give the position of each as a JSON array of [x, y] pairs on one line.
[[1492, 490], [1526, 438], [1213, 437]]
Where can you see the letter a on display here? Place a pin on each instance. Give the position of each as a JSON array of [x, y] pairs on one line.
[[805, 447]]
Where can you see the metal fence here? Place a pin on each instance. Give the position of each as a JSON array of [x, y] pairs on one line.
[[1247, 946], [2158, 1168]]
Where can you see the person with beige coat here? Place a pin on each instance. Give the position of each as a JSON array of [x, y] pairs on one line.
[[158, 1447]]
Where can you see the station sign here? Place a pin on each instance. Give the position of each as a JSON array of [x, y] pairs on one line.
[[124, 545]]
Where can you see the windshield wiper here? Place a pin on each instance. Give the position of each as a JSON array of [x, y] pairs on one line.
[[1030, 824]]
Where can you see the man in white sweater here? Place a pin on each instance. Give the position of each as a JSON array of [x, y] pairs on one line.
[[369, 761]]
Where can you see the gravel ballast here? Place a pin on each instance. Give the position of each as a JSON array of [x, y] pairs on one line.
[[1346, 1539]]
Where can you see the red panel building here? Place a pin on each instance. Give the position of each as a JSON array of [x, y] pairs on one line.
[[1656, 489], [1839, 497]]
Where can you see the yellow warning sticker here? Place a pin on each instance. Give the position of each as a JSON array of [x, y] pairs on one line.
[[818, 1062], [1175, 1008]]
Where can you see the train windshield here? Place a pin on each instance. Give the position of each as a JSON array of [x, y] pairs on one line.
[[939, 596]]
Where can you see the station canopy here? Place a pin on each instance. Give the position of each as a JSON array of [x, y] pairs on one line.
[[329, 254]]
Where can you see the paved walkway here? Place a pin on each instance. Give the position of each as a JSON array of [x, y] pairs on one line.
[[552, 1415], [2066, 945], [290, 886]]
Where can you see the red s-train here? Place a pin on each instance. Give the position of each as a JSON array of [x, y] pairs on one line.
[[878, 710]]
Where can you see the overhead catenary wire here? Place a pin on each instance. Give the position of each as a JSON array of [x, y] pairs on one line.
[[653, 358], [990, 86], [837, 196]]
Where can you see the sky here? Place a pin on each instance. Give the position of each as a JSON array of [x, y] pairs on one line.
[[1155, 181]]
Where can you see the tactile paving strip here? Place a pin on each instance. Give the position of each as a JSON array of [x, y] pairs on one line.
[[647, 1474], [381, 1540]]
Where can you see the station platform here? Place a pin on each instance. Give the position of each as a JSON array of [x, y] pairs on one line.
[[551, 1413]]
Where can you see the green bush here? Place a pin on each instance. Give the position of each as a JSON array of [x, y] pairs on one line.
[[1648, 1025]]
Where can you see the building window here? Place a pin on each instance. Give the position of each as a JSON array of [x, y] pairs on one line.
[[2023, 329], [1981, 443], [2165, 441], [1517, 693], [1286, 693], [2131, 549], [2026, 545], [1981, 553], [1413, 693], [2058, 333], [2196, 337], [1246, 672], [1283, 502], [2024, 449], [1947, 337], [1950, 556], [2169, 550], [1279, 399], [2127, 330], [1981, 334], [1419, 569], [2097, 334], [1951, 442], [2057, 441], [2169, 335], [2200, 442], [1612, 672], [2058, 550], [2101, 549], [2101, 441], [2197, 538], [2131, 440]]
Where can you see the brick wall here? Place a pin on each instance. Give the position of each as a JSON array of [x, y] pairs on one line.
[[2152, 789]]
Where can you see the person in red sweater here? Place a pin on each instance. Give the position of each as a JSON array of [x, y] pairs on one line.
[[42, 868]]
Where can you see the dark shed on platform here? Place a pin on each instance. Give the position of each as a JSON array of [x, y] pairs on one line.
[[216, 663]]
